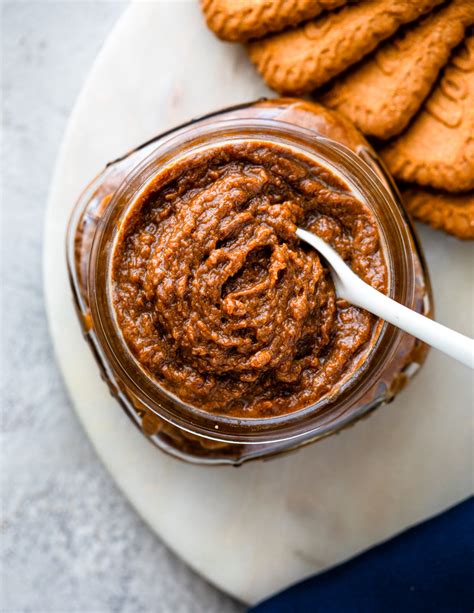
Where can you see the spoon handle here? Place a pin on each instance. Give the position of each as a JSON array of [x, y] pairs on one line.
[[351, 287], [453, 343]]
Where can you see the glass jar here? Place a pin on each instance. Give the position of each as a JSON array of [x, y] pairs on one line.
[[185, 431]]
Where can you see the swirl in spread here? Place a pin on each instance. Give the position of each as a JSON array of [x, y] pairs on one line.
[[219, 301]]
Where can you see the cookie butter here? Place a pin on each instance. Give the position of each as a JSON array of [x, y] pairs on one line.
[[219, 300], [218, 332]]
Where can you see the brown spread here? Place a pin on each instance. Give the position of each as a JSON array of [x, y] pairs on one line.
[[220, 302]]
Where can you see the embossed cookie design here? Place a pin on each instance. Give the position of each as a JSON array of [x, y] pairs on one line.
[[300, 60], [383, 94], [438, 148], [453, 213], [241, 20]]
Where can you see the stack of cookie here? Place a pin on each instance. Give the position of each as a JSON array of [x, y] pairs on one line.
[[401, 70]]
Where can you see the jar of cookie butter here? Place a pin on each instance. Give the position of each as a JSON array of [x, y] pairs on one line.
[[219, 333]]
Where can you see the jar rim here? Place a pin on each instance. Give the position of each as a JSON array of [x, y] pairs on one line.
[[363, 180]]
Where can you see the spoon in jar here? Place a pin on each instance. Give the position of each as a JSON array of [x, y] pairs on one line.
[[350, 287]]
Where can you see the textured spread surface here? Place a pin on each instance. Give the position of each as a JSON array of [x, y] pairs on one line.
[[383, 94], [241, 20], [220, 301], [438, 148], [300, 60]]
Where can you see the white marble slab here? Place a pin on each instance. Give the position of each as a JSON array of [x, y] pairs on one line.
[[255, 529]]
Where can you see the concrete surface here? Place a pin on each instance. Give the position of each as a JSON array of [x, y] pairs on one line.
[[70, 541]]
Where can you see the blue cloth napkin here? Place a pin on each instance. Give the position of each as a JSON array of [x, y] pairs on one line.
[[426, 569]]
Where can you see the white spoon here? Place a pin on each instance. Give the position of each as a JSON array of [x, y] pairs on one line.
[[350, 287]]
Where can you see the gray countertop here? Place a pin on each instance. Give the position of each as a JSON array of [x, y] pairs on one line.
[[70, 541]]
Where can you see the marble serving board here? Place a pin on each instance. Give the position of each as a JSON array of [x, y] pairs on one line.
[[255, 529]]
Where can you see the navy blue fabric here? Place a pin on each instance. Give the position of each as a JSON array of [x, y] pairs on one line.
[[427, 569]]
